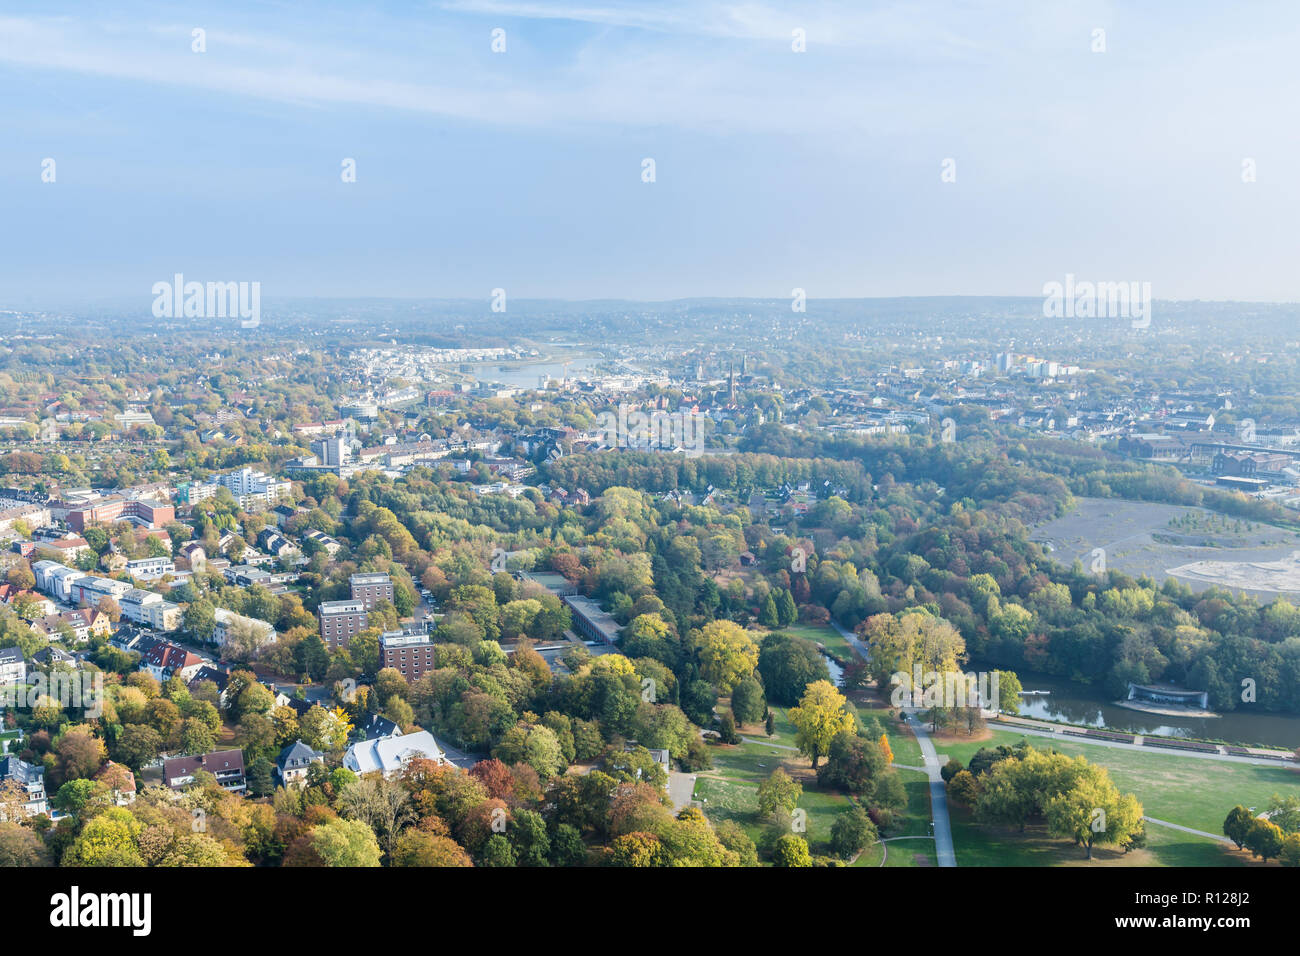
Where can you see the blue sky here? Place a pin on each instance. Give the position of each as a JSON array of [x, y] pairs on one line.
[[522, 169]]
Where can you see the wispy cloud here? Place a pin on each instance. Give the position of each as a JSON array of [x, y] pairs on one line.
[[602, 81]]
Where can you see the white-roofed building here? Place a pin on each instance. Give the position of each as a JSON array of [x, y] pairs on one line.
[[56, 579], [149, 608], [389, 755]]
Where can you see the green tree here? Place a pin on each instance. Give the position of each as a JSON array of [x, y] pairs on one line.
[[726, 652], [791, 850], [200, 619], [1264, 839], [107, 839], [852, 832], [786, 608], [312, 658], [778, 795], [1093, 811], [497, 851], [1009, 689], [788, 664], [1237, 824], [747, 701], [261, 782]]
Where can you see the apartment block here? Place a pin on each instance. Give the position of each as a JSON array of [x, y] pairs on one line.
[[409, 654], [340, 621], [371, 588]]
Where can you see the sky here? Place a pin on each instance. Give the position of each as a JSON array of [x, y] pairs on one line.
[[774, 169]]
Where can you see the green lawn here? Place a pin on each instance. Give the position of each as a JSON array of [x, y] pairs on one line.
[[730, 792], [753, 762], [914, 822], [978, 845], [901, 740], [728, 798], [825, 635], [1190, 791], [783, 730]]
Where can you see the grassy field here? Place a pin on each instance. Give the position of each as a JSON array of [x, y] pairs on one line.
[[978, 845], [914, 822], [901, 740], [730, 792], [822, 634], [1189, 791]]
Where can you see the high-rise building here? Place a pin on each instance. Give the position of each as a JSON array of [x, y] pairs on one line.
[[371, 588], [340, 621], [331, 451], [409, 654]]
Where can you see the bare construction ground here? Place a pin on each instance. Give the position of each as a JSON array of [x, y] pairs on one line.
[[1193, 545]]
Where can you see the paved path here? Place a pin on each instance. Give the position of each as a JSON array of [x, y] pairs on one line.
[[1201, 833], [768, 743], [939, 821], [681, 788], [853, 639], [1118, 745], [938, 796]]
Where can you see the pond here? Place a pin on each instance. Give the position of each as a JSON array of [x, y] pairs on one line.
[[1076, 703]]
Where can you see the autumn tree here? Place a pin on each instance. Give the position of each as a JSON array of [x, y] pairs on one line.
[[822, 713], [726, 652], [1093, 811]]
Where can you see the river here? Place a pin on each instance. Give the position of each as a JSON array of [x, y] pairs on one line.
[[529, 374]]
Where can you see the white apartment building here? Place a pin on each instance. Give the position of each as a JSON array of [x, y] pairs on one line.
[[89, 590], [56, 579], [150, 569], [13, 670], [249, 485], [149, 609]]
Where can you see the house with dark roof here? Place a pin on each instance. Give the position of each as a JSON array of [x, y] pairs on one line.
[[55, 655], [213, 673], [226, 765], [378, 727], [292, 764]]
